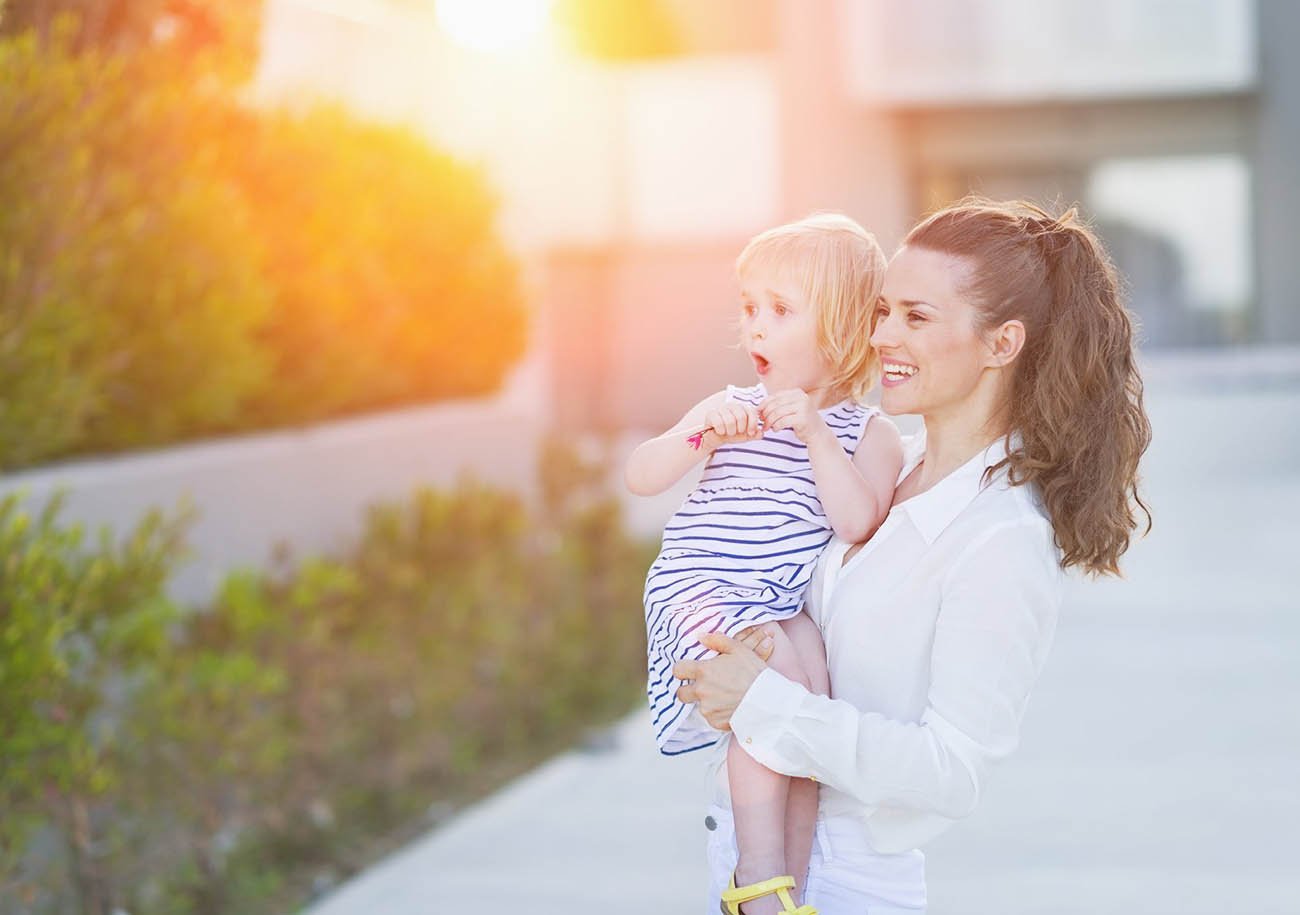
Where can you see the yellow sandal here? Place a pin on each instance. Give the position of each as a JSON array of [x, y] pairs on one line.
[[734, 895]]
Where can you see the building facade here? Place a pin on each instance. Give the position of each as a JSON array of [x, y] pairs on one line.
[[629, 189]]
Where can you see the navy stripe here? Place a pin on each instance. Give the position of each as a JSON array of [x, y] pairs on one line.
[[773, 439], [763, 489], [667, 642], [736, 449], [749, 541], [732, 514], [789, 476], [710, 487]]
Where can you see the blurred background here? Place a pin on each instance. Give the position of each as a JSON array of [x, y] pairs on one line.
[[326, 325]]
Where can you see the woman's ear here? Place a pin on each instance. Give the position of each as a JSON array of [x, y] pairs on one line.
[[1005, 343]]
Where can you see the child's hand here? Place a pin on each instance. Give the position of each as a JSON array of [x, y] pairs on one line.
[[732, 422], [792, 409]]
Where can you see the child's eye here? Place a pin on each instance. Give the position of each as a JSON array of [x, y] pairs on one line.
[[780, 309], [749, 309]]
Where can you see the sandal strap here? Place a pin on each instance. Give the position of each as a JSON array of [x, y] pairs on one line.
[[754, 890]]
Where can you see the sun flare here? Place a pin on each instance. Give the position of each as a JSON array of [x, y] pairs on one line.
[[494, 25]]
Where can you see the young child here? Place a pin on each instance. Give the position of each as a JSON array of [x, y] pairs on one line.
[[790, 460]]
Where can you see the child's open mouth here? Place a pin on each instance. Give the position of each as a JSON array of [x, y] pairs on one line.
[[760, 364]]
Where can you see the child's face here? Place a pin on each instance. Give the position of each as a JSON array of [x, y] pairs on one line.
[[778, 328]]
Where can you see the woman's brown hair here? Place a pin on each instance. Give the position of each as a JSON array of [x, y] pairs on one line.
[[1075, 398]]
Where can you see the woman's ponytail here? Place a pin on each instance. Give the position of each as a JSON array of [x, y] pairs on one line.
[[1075, 402]]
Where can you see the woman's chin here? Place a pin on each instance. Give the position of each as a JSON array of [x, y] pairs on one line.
[[894, 402]]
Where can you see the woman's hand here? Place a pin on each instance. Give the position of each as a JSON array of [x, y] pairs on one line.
[[719, 684]]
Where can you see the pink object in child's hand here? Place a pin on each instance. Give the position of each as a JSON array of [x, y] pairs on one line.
[[696, 440]]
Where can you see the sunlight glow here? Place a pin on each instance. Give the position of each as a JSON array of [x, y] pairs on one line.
[[494, 25]]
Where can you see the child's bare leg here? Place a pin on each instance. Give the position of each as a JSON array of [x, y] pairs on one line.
[[801, 798], [760, 798]]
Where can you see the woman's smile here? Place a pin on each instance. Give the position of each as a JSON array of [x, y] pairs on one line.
[[894, 373]]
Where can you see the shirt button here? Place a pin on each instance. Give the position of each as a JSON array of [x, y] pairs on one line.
[[710, 823], [812, 778], [749, 740]]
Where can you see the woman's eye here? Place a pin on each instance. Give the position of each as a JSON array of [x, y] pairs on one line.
[[915, 317]]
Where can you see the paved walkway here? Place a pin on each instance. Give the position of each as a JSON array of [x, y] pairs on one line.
[[1159, 758]]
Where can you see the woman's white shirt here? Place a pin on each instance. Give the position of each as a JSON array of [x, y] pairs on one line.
[[935, 632]]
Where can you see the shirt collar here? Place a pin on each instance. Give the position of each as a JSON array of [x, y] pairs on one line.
[[934, 509]]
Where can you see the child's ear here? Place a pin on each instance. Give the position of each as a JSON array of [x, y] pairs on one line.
[[1005, 343]]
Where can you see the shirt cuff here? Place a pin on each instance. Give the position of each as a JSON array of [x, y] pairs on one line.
[[765, 714]]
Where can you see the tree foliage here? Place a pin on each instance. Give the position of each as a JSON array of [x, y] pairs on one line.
[[175, 263], [212, 37], [390, 283], [130, 286]]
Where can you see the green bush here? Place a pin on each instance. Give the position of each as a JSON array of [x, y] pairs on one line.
[[175, 264], [311, 715], [214, 38], [130, 285], [79, 632], [390, 283]]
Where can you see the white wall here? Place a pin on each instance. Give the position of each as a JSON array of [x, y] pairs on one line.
[[308, 487], [963, 51]]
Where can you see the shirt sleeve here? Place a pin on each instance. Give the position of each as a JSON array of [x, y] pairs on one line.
[[997, 615]]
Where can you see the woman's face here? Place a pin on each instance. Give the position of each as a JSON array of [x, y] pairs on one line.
[[932, 358]]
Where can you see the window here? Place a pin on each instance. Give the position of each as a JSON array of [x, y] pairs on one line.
[[1179, 230]]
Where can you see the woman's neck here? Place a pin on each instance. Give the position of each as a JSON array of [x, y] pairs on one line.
[[953, 439]]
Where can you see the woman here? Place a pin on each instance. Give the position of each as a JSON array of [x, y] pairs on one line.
[[1003, 328]]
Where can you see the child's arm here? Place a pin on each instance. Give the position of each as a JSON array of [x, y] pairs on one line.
[[855, 492], [660, 462]]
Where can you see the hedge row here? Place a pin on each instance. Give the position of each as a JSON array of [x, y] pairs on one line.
[[175, 263], [216, 761]]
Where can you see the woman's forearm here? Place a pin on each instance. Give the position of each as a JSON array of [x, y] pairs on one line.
[[872, 758]]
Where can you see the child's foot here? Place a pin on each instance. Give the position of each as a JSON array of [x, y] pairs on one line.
[[747, 873]]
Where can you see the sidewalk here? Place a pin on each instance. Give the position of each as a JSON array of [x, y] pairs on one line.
[[1158, 760], [619, 830]]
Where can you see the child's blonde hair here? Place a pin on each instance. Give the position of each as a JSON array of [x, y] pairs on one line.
[[841, 269]]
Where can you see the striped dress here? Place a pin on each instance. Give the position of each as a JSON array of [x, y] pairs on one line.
[[738, 552]]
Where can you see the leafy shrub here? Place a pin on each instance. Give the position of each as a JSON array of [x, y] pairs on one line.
[[78, 631], [175, 264], [215, 761], [129, 280], [215, 38], [390, 284]]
